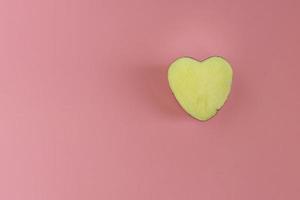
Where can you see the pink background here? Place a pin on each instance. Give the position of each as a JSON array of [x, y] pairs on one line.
[[86, 112]]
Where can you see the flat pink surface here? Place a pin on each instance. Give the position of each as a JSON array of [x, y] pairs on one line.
[[86, 112]]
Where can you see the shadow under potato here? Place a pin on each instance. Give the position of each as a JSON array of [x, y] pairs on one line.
[[152, 86]]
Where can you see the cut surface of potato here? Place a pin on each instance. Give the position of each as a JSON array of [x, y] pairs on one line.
[[200, 87]]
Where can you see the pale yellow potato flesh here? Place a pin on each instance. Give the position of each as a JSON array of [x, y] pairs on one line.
[[200, 87]]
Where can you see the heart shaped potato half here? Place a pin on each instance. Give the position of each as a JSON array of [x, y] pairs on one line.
[[200, 87]]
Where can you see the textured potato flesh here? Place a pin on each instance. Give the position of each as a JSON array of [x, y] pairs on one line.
[[201, 88]]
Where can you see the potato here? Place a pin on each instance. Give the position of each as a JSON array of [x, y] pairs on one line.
[[200, 87]]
